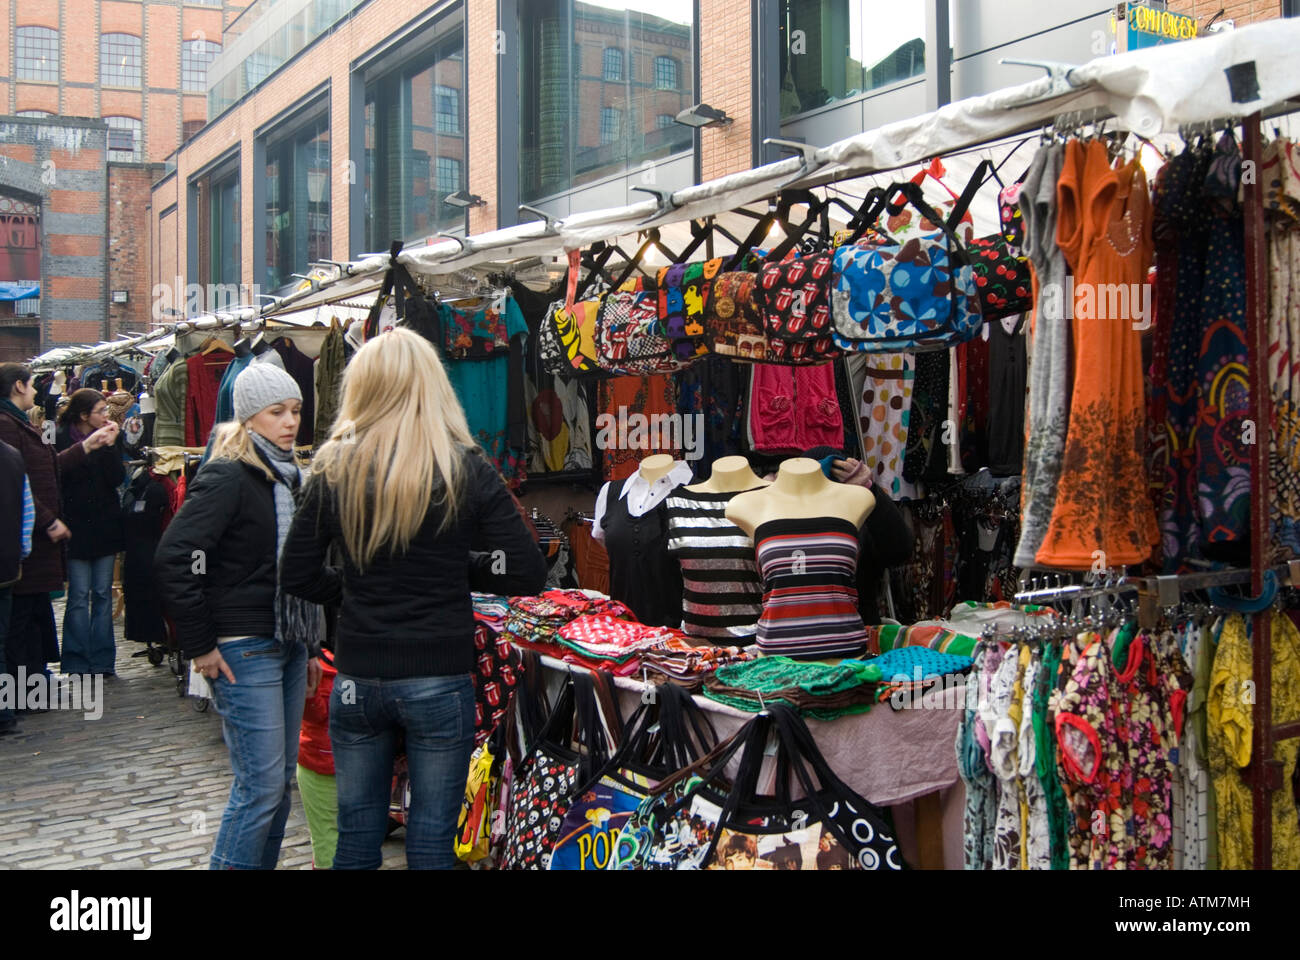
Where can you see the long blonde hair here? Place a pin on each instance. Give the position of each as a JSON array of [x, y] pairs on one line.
[[231, 441], [400, 430]]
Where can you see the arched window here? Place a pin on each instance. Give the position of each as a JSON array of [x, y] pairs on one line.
[[613, 64], [35, 114], [196, 57], [123, 139], [665, 73], [36, 54], [119, 60]]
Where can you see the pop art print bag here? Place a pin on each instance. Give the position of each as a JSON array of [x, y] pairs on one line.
[[572, 745]]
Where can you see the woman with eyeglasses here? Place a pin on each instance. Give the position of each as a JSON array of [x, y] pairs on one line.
[[93, 512]]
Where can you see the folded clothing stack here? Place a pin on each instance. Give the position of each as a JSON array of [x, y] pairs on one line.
[[686, 664], [890, 636], [607, 643], [490, 609], [914, 670], [818, 690], [535, 622]]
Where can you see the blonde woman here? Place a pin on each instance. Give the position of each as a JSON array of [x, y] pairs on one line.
[[216, 573], [421, 518]]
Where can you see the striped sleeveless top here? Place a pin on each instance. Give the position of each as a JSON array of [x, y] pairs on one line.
[[810, 604], [722, 598]]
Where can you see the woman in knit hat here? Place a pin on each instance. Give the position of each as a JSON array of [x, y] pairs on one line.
[[217, 571]]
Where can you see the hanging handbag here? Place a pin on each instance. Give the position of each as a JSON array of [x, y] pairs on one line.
[[910, 296], [683, 294], [482, 790], [829, 828], [627, 343], [732, 319], [1002, 278], [663, 736], [562, 760]]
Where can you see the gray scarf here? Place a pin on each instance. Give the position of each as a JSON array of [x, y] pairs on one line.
[[295, 619]]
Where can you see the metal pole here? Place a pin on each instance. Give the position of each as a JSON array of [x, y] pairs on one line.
[[1262, 772]]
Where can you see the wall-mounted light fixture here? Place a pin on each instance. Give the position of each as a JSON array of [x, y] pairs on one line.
[[703, 115], [463, 198]]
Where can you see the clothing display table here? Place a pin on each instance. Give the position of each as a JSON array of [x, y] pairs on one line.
[[902, 759]]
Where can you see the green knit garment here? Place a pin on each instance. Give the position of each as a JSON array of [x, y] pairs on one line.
[[793, 682]]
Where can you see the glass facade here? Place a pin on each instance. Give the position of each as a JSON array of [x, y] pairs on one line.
[[297, 214], [587, 113], [415, 145], [256, 49], [835, 49]]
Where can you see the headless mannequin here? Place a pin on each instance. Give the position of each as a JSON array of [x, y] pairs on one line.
[[656, 466], [730, 475], [801, 491]]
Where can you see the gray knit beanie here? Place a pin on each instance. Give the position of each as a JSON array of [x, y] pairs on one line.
[[260, 385]]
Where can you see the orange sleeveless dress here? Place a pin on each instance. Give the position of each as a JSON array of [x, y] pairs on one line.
[[1102, 516]]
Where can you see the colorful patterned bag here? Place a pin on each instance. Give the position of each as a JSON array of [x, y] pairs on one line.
[[916, 295], [732, 318], [627, 337], [684, 290]]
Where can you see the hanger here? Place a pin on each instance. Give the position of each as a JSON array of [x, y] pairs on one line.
[[212, 344]]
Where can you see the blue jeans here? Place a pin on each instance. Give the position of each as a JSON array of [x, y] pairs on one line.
[[88, 645], [261, 714], [366, 718]]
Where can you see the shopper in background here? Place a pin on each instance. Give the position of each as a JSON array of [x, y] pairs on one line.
[[32, 641], [316, 784], [216, 571], [17, 515], [402, 487], [92, 506]]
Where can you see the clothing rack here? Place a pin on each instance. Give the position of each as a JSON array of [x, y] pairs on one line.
[[1167, 589]]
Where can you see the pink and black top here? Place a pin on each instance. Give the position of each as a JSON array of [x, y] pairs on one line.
[[810, 600]]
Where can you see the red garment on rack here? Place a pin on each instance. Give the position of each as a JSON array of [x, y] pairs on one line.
[[205, 373]]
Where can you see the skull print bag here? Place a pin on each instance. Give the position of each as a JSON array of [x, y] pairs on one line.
[[571, 747]]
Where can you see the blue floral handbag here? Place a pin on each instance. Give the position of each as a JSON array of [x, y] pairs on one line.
[[916, 295]]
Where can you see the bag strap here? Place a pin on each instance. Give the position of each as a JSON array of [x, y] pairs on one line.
[[873, 204], [968, 194], [914, 196], [817, 207]]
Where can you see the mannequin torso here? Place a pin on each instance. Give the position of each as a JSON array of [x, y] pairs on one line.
[[801, 491], [730, 475]]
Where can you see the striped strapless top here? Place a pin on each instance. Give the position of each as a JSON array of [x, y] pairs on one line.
[[810, 604], [722, 599]]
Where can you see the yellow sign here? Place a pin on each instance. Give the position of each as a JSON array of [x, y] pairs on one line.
[[1162, 23]]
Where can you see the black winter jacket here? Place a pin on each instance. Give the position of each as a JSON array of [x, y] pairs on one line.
[[215, 564], [411, 615], [92, 506]]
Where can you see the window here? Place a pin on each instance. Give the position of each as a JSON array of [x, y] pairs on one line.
[[297, 209], [123, 139], [665, 73], [587, 116], [448, 176], [613, 64], [225, 263], [834, 49], [611, 122], [448, 103], [37, 54], [664, 121], [414, 144], [119, 60], [34, 113], [196, 57]]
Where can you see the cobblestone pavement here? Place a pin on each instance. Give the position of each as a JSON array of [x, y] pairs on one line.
[[142, 787]]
